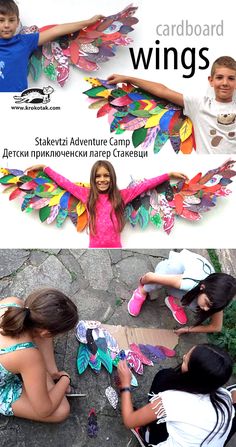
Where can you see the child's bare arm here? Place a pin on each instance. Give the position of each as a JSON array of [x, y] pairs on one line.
[[34, 374], [164, 280], [215, 325], [152, 87], [132, 418], [66, 28]]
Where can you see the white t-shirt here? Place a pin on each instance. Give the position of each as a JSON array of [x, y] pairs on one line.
[[193, 268], [189, 419], [214, 124]]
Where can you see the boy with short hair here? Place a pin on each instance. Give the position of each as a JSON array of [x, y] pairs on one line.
[[15, 50], [213, 118]]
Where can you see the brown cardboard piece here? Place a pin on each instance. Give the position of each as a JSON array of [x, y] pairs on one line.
[[126, 335]]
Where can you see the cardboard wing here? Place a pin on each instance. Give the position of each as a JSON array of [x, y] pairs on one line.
[[126, 335]]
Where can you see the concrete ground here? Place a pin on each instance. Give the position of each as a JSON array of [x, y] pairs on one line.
[[100, 282]]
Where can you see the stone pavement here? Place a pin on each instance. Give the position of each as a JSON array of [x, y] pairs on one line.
[[100, 282]]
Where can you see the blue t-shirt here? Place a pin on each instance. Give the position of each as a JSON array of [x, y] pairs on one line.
[[14, 58]]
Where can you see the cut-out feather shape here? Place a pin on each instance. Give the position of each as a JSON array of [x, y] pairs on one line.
[[86, 49], [151, 353], [160, 206], [145, 360], [92, 428], [112, 396], [134, 362], [82, 358], [152, 120]]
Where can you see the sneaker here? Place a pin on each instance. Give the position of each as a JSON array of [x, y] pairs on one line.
[[140, 436], [231, 387], [177, 311], [136, 302]]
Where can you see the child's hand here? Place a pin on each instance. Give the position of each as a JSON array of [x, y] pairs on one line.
[[124, 374], [178, 175], [116, 79], [95, 19], [182, 330], [35, 168], [149, 277], [57, 375]]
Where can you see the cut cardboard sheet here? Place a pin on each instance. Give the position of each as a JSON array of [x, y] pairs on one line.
[[147, 336]]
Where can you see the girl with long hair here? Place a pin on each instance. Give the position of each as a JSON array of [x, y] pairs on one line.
[[191, 283], [187, 405], [28, 370], [104, 201]]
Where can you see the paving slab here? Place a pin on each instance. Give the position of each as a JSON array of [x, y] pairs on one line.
[[11, 261]]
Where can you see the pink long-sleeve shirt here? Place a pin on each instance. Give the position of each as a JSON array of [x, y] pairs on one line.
[[107, 232]]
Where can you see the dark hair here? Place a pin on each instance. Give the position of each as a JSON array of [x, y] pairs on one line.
[[8, 7], [113, 195], [220, 289], [223, 61], [46, 309], [209, 368]]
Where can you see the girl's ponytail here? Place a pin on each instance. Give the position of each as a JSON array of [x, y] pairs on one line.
[[44, 309], [15, 321]]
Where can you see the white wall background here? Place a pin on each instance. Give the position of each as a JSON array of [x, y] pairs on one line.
[[19, 129]]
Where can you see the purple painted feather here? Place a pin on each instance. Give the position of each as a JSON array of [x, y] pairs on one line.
[[152, 353], [156, 351], [92, 429]]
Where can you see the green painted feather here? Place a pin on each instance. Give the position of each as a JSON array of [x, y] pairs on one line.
[[156, 220], [35, 67], [50, 72], [142, 113], [4, 180], [160, 140], [44, 213], [82, 358], [139, 136], [143, 217], [105, 359], [62, 215]]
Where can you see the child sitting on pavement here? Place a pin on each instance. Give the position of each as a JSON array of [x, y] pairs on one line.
[[190, 282], [28, 370]]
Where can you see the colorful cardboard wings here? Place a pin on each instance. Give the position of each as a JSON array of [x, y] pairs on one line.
[[86, 49], [187, 199], [159, 206], [152, 120]]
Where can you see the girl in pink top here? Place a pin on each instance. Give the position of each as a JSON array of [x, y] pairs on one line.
[[105, 203]]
